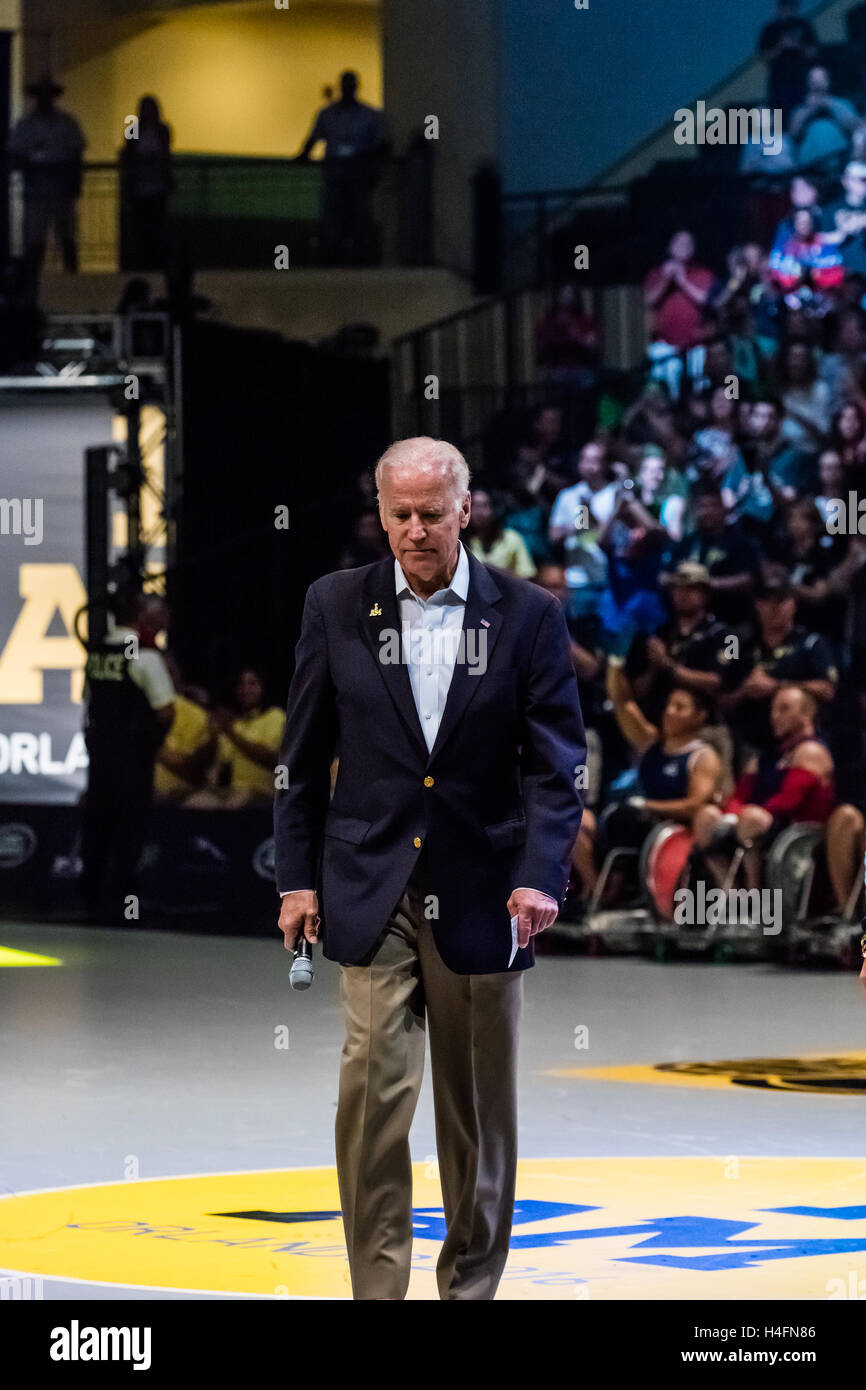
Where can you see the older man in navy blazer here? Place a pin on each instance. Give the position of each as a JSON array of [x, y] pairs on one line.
[[447, 693]]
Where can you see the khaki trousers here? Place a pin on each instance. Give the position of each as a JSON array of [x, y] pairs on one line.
[[473, 1021]]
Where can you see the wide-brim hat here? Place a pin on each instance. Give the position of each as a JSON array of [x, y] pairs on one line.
[[44, 84]]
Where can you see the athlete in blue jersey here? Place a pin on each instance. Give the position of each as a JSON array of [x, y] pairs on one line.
[[678, 772]]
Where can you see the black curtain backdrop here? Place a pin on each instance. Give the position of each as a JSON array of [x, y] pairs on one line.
[[267, 423], [5, 90]]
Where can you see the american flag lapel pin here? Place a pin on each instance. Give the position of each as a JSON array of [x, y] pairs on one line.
[[484, 622]]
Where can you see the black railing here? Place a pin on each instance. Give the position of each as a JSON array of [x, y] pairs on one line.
[[228, 212]]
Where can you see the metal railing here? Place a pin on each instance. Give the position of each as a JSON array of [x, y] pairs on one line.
[[227, 212], [450, 377]]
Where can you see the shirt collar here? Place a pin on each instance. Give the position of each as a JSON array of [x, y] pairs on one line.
[[459, 585]]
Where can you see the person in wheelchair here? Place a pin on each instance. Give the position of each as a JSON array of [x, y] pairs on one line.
[[678, 772], [792, 783]]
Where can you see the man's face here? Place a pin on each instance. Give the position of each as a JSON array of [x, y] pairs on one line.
[[482, 512], [590, 465], [652, 471], [682, 246], [776, 612], [831, 473], [688, 599], [548, 425], [764, 420], [788, 714], [819, 82], [423, 515]]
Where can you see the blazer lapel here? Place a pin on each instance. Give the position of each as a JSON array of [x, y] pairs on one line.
[[481, 627], [379, 621]]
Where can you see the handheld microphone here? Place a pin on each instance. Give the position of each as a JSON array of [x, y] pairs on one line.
[[301, 975]]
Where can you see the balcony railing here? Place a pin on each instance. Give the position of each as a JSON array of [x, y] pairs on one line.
[[231, 213]]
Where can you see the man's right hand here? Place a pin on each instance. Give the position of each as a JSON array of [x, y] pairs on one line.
[[299, 913]]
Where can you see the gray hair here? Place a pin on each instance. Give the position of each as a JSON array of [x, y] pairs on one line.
[[426, 452]]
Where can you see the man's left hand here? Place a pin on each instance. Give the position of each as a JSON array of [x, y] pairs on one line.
[[534, 911]]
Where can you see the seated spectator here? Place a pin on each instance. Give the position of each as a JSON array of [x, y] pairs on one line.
[[811, 556], [531, 489], [595, 490], [772, 473], [756, 157], [844, 368], [633, 542], [492, 542], [807, 262], [547, 440], [188, 748], [804, 397], [677, 774], [567, 341], [368, 543], [577, 514], [714, 450], [845, 219], [651, 419], [685, 651], [803, 194], [789, 782], [662, 491], [749, 313], [723, 548], [848, 440], [833, 482], [787, 45], [823, 124], [677, 293], [776, 652], [248, 741], [588, 659]]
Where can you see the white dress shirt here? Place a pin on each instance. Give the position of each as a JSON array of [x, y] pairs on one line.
[[431, 630]]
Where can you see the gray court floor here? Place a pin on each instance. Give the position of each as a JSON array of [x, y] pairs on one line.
[[162, 1046]]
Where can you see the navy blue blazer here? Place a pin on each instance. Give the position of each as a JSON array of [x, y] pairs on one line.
[[491, 808]]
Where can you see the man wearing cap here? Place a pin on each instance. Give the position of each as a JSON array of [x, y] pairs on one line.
[[776, 653], [47, 145], [684, 651]]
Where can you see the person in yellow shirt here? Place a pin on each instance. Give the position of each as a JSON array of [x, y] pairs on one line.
[[495, 544], [186, 750], [247, 743]]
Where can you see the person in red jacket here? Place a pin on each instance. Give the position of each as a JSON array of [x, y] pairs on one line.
[[793, 783]]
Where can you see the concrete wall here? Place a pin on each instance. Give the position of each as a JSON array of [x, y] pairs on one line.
[[584, 86], [442, 59]]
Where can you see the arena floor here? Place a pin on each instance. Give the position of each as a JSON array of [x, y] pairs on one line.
[[169, 1108]]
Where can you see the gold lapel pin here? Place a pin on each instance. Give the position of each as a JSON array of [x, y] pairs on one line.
[[375, 611]]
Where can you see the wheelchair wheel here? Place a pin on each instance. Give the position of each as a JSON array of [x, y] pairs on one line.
[[790, 865], [663, 859]]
